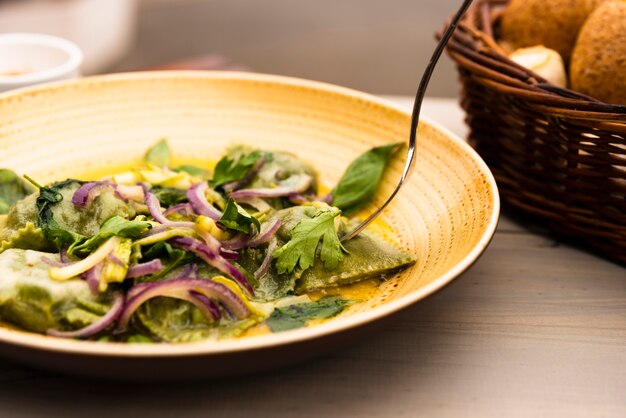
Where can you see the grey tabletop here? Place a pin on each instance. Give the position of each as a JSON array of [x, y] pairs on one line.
[[534, 328]]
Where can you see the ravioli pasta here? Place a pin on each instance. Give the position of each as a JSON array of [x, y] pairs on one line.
[[185, 253]]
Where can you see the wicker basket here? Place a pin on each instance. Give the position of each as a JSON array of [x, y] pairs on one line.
[[555, 153]]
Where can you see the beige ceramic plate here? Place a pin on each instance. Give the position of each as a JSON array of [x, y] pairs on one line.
[[446, 215]]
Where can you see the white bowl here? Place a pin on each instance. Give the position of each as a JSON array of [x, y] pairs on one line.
[[28, 58]]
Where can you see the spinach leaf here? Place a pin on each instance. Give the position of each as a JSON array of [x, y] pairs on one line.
[[232, 169], [361, 179], [237, 218], [295, 316], [12, 189], [169, 196], [158, 154], [114, 226], [302, 247]]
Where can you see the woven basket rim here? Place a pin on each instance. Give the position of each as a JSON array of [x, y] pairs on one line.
[[474, 46]]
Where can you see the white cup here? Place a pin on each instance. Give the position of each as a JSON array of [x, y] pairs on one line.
[[29, 58]]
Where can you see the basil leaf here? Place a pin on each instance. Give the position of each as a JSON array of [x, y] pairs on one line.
[[237, 218], [114, 226], [361, 179], [12, 189], [158, 154], [232, 169], [302, 247], [295, 316]]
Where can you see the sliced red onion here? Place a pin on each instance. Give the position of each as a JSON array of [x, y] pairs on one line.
[[256, 202], [143, 269], [154, 206], [261, 238], [267, 261], [298, 199], [54, 263], [229, 254], [207, 306], [264, 236], [92, 276], [294, 184], [85, 194], [94, 328], [180, 289], [126, 193], [199, 204], [63, 255], [190, 271], [155, 230], [328, 199], [116, 260], [180, 209], [250, 175], [138, 288], [213, 257]]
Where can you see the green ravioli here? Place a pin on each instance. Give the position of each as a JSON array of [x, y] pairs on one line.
[[368, 256]]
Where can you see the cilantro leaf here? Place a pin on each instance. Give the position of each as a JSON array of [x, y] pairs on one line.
[[114, 226], [232, 169], [237, 218], [295, 316], [361, 179], [158, 154], [302, 247], [12, 189]]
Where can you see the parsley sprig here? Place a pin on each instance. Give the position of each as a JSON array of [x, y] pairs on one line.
[[302, 247]]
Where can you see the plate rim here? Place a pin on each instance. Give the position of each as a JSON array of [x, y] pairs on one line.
[[45, 343]]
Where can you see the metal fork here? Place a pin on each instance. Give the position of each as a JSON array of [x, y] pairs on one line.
[[417, 106]]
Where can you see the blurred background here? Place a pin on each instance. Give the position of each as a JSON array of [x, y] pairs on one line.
[[379, 46]]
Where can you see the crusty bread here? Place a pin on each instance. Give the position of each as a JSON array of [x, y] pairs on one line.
[[553, 23], [598, 66]]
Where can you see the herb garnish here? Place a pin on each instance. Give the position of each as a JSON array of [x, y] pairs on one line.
[[361, 179], [237, 218], [302, 247], [233, 169], [114, 226], [295, 316], [158, 154]]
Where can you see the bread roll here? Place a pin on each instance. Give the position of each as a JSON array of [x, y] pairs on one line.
[[553, 23], [544, 61], [598, 66]]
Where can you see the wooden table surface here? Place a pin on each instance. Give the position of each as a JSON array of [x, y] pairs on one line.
[[534, 328]]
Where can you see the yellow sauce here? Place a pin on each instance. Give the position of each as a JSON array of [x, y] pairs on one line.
[[104, 172]]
